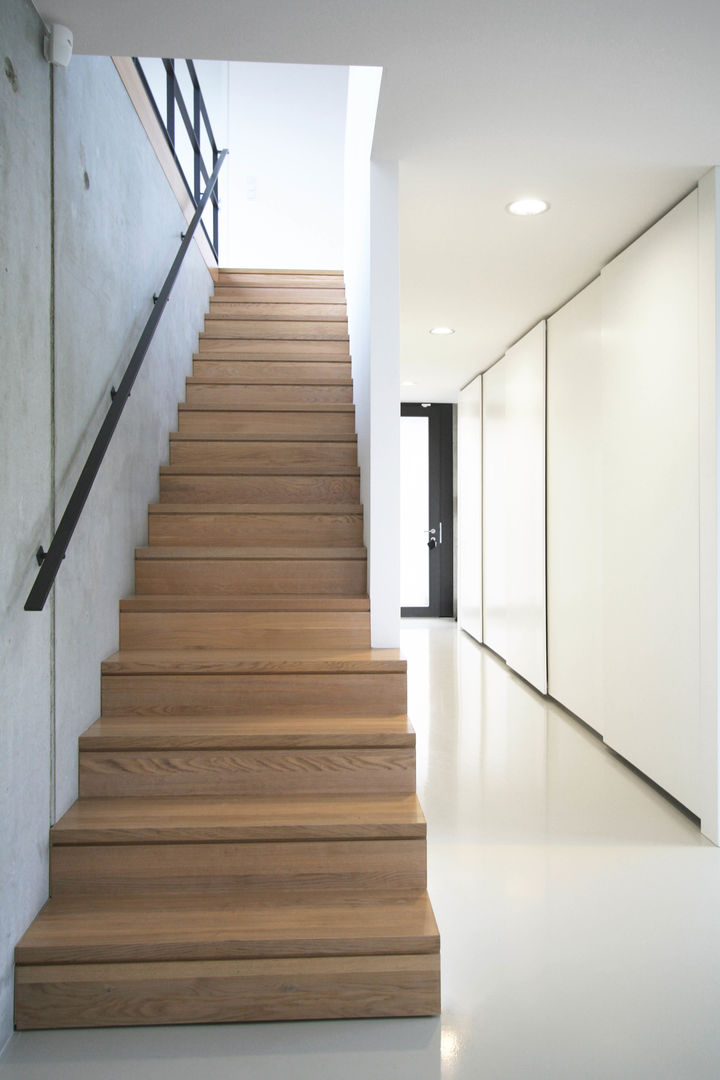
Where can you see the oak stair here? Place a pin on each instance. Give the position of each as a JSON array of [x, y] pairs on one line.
[[247, 843]]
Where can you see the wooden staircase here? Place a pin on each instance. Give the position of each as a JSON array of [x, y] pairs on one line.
[[247, 844]]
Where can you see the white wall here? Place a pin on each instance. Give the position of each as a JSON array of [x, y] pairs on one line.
[[286, 135], [469, 495], [574, 513], [362, 101], [384, 550], [650, 503]]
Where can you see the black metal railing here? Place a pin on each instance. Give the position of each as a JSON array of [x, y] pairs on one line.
[[195, 126], [50, 560]]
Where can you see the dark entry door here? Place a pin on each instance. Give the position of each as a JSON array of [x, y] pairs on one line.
[[426, 510]]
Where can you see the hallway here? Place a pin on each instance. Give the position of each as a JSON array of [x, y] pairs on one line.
[[579, 913]]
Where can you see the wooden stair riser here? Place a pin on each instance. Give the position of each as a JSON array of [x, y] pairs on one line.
[[120, 774], [273, 350], [262, 371], [258, 294], [228, 529], [238, 602], [263, 294], [156, 869], [311, 695], [279, 279], [126, 994], [273, 330], [193, 820], [244, 630], [316, 488], [278, 310], [218, 576], [267, 394], [228, 453], [240, 422]]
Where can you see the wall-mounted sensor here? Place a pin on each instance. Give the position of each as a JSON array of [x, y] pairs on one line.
[[58, 45]]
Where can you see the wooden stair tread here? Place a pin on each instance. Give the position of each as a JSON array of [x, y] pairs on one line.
[[218, 819], [274, 312], [260, 470], [236, 602], [256, 271], [254, 661], [266, 553], [217, 349], [256, 508], [273, 355], [288, 334], [257, 374], [248, 380], [281, 406], [295, 279], [304, 326], [255, 732], [330, 437], [224, 926]]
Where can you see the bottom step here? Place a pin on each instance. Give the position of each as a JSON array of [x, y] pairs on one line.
[[227, 991], [109, 961]]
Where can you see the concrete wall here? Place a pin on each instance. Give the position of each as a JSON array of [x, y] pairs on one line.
[[116, 228], [110, 257], [25, 484]]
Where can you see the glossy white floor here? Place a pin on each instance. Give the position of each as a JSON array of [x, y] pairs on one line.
[[579, 912]]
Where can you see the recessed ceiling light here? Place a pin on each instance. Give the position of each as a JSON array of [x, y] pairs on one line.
[[407, 382], [527, 207], [442, 330]]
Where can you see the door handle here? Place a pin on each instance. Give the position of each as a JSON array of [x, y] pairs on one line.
[[432, 543]]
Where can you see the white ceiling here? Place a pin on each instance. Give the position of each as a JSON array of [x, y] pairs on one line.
[[609, 109]]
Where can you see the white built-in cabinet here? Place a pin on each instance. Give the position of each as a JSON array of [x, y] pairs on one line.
[[525, 639], [595, 450], [574, 506], [513, 472], [650, 503], [492, 471], [470, 515]]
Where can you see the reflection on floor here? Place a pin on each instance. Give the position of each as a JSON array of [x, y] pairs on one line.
[[579, 912]]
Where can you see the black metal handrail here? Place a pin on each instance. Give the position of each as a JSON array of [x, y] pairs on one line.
[[174, 100], [50, 560]]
